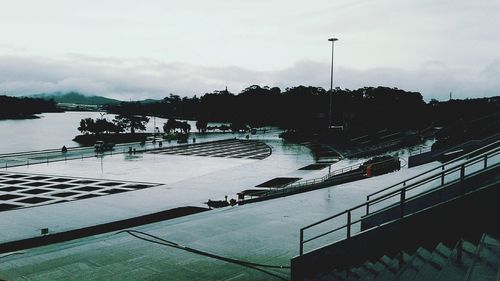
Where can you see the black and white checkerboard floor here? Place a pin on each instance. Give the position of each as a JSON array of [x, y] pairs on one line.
[[18, 190], [245, 149]]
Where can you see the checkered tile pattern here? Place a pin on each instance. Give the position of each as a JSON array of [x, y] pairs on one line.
[[246, 149], [19, 190]]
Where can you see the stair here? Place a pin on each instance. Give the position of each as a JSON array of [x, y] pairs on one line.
[[466, 261]]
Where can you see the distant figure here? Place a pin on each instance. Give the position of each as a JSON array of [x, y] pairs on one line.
[[129, 150], [194, 140], [64, 149], [225, 198], [160, 144]]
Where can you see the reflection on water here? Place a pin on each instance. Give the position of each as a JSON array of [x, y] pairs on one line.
[[52, 130], [133, 157]]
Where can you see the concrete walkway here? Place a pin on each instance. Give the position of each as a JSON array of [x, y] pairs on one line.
[[186, 181], [265, 232]]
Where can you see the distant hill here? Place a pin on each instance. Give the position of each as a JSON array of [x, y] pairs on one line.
[[77, 98]]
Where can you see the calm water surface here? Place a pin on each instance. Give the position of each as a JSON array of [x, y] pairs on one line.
[[53, 130]]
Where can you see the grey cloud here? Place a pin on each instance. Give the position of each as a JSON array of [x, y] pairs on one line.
[[146, 78]]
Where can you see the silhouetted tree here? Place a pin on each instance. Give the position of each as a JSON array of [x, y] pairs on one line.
[[98, 126], [173, 124], [201, 126], [131, 122], [170, 125], [86, 125]]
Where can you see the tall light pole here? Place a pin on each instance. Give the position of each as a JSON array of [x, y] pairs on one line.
[[331, 84]]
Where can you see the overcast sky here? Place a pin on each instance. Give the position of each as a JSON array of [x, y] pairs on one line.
[[148, 49]]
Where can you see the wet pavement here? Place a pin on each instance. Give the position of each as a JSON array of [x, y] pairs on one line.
[[265, 232], [185, 181]]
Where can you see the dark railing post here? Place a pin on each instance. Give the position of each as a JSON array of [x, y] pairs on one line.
[[486, 161], [462, 172], [349, 224], [367, 204], [301, 247], [402, 202], [459, 251], [400, 260], [442, 178]]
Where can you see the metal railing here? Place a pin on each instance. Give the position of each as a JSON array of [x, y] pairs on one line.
[[50, 156], [305, 184], [440, 167], [400, 196], [47, 156], [292, 187], [299, 185], [325, 177]]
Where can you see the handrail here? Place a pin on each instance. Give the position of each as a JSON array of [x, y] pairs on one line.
[[327, 176], [309, 182], [430, 178], [298, 185], [496, 143], [461, 168]]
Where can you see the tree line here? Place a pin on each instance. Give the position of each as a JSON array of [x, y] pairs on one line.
[[297, 107], [307, 108], [17, 108]]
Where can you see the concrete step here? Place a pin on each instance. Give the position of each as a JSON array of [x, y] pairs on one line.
[[411, 269], [469, 248], [454, 269], [486, 261], [363, 273], [478, 262], [391, 267], [436, 262], [391, 264], [440, 256], [375, 268], [390, 272]]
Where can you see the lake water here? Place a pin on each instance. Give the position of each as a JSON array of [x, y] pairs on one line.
[[53, 130]]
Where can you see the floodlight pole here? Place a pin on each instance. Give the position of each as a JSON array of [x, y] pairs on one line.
[[331, 83]]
